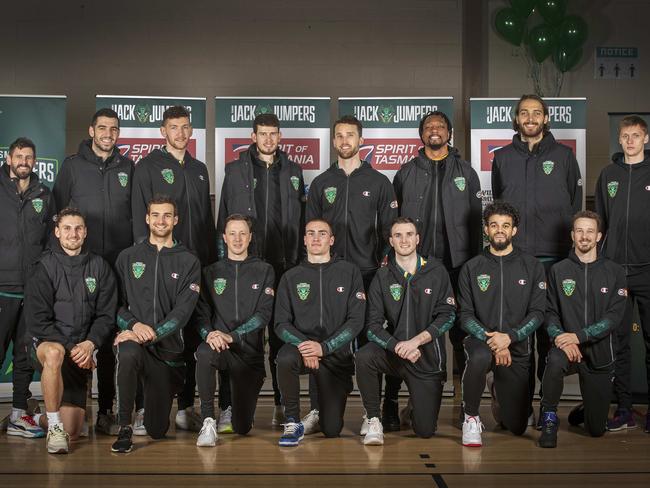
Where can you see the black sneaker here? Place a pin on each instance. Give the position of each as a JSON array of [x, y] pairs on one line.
[[390, 416], [123, 442], [550, 424], [577, 415]]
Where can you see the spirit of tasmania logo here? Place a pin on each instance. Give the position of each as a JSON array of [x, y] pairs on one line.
[[304, 151], [136, 148], [387, 154], [490, 146]]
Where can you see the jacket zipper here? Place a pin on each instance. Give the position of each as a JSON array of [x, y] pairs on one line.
[[500, 294], [155, 290], [266, 211], [237, 292], [347, 193], [408, 306], [435, 208], [585, 292], [189, 208], [627, 210], [320, 292]]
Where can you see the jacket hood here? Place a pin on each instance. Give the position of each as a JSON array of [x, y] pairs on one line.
[[452, 153], [333, 259], [87, 153], [619, 159], [6, 178], [547, 141], [508, 257], [574, 257]]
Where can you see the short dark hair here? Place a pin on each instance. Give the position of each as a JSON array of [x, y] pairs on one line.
[[268, 120], [500, 207], [320, 220], [435, 113], [68, 212], [351, 120], [631, 121], [537, 98], [239, 218], [22, 143], [105, 112], [160, 199], [587, 214], [403, 220], [175, 112]]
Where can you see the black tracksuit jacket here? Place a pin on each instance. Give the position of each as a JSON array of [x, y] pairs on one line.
[[70, 299], [622, 201], [416, 186], [189, 186], [101, 191], [26, 222], [237, 298], [361, 208], [324, 303], [589, 301], [424, 302], [238, 196], [545, 186], [159, 289], [503, 294]]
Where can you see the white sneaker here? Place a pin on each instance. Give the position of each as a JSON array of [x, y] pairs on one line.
[[364, 425], [311, 422], [278, 418], [375, 435], [472, 428], [208, 435], [190, 420], [225, 422], [138, 425], [58, 440]]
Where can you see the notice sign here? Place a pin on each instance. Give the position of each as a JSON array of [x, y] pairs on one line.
[[616, 63]]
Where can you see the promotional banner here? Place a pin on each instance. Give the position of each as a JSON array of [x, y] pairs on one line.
[[304, 124], [492, 129], [390, 127], [141, 118]]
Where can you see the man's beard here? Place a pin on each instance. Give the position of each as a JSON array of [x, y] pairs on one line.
[[500, 246]]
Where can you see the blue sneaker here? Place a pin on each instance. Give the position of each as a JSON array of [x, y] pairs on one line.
[[25, 427], [550, 424], [293, 433]]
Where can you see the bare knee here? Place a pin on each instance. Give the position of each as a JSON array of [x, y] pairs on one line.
[[51, 355]]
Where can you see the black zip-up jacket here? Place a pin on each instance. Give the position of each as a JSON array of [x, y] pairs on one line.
[[545, 186], [26, 222], [70, 299], [324, 303], [361, 207], [238, 196], [101, 190], [589, 301], [423, 302], [622, 201], [189, 185], [159, 289], [416, 186], [237, 298], [503, 294]]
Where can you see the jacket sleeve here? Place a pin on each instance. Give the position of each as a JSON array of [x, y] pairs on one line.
[[263, 311], [354, 319], [475, 214], [141, 194], [387, 210], [302, 252], [600, 202], [209, 231], [125, 319], [376, 317], [497, 184], [204, 309], [397, 187], [284, 316], [536, 307], [574, 183], [553, 321], [314, 208], [468, 320], [221, 217], [105, 308], [62, 188], [444, 313], [184, 303], [606, 324]]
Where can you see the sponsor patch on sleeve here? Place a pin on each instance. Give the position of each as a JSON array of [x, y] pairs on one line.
[[394, 204], [195, 287], [542, 285], [361, 295], [604, 290], [269, 291], [255, 286], [451, 301], [622, 292]]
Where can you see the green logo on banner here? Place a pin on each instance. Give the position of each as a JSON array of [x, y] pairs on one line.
[[91, 284], [303, 290], [168, 175], [396, 291], [460, 183], [548, 166], [568, 286], [330, 194], [386, 113], [263, 109], [124, 179], [483, 281], [612, 188], [37, 203], [142, 113], [138, 269], [219, 285], [295, 181]]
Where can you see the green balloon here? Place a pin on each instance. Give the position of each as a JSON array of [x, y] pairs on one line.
[[572, 32], [541, 42], [566, 58], [552, 11], [523, 7], [510, 25]]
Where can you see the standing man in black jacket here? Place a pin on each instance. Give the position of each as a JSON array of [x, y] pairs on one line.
[[70, 303], [97, 181], [622, 201], [541, 178], [160, 285], [173, 171], [586, 301], [267, 186], [26, 219], [235, 307], [414, 296], [319, 312], [502, 297]]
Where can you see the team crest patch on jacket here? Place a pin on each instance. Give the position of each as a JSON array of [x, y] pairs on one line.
[[254, 183], [219, 285], [37, 203], [612, 188], [460, 183], [303, 290], [548, 166], [568, 286], [396, 291], [138, 269], [91, 284], [483, 281], [330, 194], [168, 175], [123, 178], [295, 182]]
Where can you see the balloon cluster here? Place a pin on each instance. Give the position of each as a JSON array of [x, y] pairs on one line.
[[560, 36]]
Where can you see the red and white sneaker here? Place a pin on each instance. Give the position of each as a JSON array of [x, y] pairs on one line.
[[472, 428], [25, 427]]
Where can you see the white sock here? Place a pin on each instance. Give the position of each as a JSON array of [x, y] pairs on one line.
[[53, 418], [37, 418], [16, 413]]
